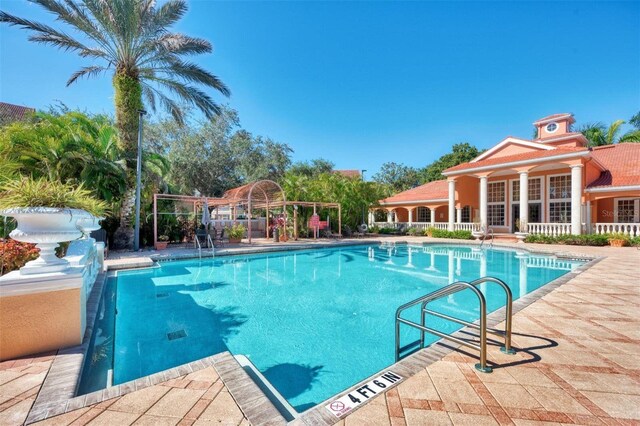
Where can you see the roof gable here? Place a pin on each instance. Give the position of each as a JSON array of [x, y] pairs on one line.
[[511, 146]]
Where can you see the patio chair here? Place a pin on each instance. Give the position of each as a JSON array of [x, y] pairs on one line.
[[218, 237], [362, 231]]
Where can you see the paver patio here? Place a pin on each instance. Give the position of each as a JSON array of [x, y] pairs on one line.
[[579, 363]]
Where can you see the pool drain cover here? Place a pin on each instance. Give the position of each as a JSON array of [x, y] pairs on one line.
[[176, 335], [161, 295]]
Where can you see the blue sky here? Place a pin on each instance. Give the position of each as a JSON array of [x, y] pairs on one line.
[[362, 83]]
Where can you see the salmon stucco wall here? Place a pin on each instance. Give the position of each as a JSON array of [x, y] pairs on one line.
[[39, 322]]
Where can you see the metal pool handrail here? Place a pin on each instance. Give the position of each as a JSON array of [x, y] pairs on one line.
[[482, 326], [490, 231]]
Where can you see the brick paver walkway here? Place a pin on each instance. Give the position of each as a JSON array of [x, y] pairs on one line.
[[579, 364]]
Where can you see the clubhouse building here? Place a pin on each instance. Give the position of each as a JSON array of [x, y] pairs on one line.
[[554, 184]]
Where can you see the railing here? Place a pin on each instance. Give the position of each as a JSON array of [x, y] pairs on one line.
[[467, 226], [629, 229], [485, 237], [553, 229], [419, 225], [482, 326]]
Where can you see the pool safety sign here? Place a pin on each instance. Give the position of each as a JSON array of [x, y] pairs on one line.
[[361, 394]]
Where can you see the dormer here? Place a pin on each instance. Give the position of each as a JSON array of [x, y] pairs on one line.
[[556, 130]]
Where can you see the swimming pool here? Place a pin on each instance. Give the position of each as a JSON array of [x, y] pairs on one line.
[[314, 322]]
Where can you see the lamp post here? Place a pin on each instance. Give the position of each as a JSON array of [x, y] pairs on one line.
[[136, 229]]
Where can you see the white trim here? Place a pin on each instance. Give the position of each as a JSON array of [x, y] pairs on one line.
[[538, 201], [516, 141], [555, 200], [437, 200], [584, 153], [546, 127], [613, 188], [636, 208], [551, 119], [497, 203], [570, 135]]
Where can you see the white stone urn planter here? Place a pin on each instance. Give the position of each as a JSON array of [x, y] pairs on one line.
[[477, 234], [46, 227], [89, 224], [521, 236]]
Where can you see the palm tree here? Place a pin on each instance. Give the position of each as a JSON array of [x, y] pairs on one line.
[[599, 134], [132, 39]]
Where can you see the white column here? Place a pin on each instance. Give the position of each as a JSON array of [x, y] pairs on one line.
[[458, 215], [576, 197], [589, 225], [410, 216], [389, 217], [483, 203], [524, 200], [452, 204], [433, 215]]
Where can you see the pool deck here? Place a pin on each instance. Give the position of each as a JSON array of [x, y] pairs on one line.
[[578, 363]]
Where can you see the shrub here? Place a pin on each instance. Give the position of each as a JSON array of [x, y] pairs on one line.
[[413, 231], [14, 254], [30, 192], [374, 229], [572, 240], [387, 230], [634, 242], [236, 231], [457, 235]]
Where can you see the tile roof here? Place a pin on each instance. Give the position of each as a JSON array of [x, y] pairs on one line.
[[348, 173], [436, 190], [10, 112], [517, 157], [622, 162]]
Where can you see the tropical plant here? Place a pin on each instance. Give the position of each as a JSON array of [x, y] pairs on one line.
[[132, 39], [397, 176], [72, 147], [236, 231], [30, 192], [354, 195], [599, 134]]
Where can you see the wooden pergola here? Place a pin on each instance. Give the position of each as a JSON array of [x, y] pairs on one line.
[[260, 195]]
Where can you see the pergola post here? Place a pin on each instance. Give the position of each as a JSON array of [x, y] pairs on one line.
[[155, 219], [295, 223], [340, 220]]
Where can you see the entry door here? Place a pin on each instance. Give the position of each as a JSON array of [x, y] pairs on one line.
[[535, 214]]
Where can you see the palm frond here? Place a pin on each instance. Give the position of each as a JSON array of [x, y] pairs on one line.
[[86, 72], [613, 130]]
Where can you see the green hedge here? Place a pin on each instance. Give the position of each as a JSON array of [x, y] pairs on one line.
[[578, 240], [457, 235]]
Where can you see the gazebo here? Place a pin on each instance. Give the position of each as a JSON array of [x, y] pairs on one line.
[[238, 205]]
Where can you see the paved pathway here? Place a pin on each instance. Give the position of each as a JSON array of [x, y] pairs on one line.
[[580, 364]]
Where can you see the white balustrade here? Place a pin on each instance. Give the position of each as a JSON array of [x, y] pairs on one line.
[[629, 229], [553, 229], [467, 226]]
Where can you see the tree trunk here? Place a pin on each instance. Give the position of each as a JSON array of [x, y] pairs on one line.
[[128, 100]]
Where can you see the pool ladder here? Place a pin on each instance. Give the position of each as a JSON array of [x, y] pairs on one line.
[[481, 326], [490, 231], [209, 244]]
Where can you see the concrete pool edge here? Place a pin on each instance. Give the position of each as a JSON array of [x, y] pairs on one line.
[[66, 368]]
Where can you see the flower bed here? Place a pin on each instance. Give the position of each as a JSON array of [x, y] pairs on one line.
[[14, 255]]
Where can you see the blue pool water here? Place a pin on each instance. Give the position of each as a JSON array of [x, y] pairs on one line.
[[313, 322]]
